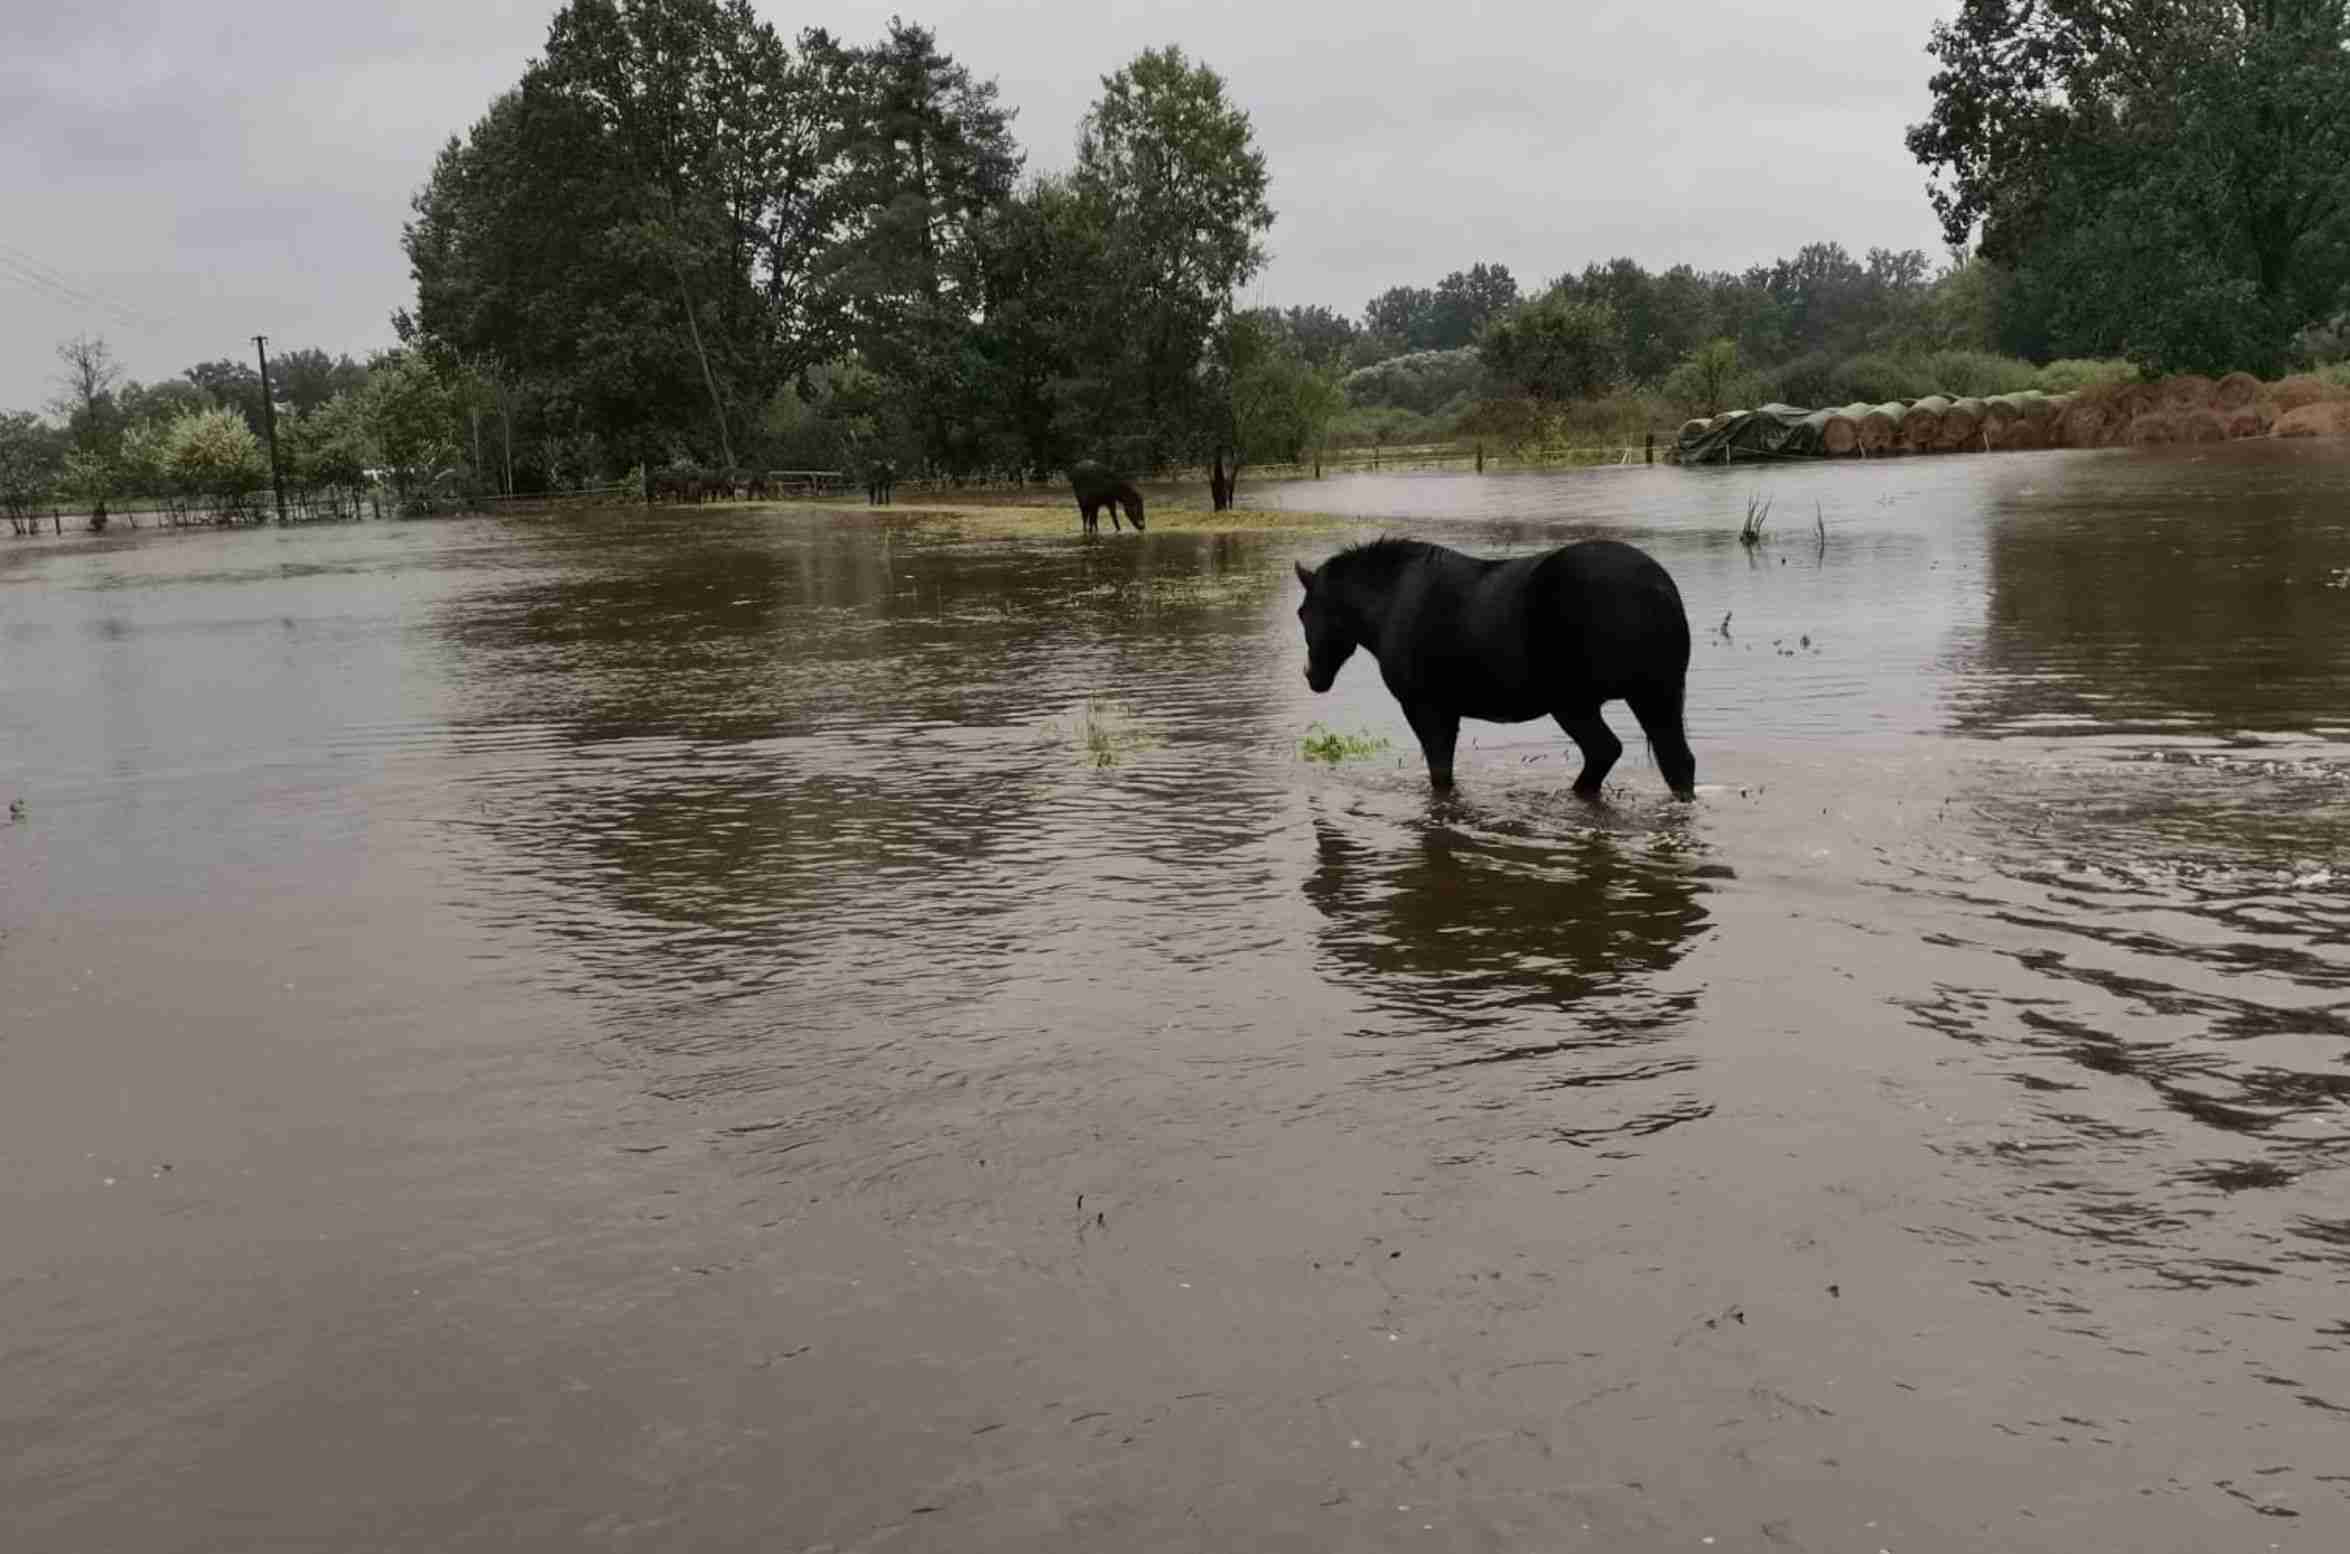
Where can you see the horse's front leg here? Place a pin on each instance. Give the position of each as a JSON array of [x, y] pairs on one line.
[[1439, 731]]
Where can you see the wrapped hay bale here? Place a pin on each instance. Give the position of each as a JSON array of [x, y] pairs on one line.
[[1921, 424], [2202, 426], [2184, 391], [2325, 418], [1693, 427], [2304, 388], [1962, 425], [2000, 414], [1839, 433], [1880, 426], [2236, 391], [1722, 420], [2153, 429]]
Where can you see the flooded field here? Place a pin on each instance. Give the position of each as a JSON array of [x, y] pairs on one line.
[[810, 1031]]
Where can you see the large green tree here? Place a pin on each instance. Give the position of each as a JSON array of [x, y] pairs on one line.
[[2169, 181], [632, 229], [1554, 348], [919, 154], [1172, 169]]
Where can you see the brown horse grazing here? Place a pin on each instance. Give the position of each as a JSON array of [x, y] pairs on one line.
[[1553, 635]]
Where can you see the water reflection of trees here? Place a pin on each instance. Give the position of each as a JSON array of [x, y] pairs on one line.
[[1545, 954], [2146, 594], [712, 763]]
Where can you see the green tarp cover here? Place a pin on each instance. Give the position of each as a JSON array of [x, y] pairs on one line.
[[1774, 431]]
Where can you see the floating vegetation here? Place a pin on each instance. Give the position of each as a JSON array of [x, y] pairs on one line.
[[1104, 732], [1325, 744], [1190, 589]]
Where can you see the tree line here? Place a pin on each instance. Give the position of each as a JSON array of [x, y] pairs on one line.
[[194, 444], [682, 240]]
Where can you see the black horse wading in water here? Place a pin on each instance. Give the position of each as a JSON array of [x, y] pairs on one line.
[[1553, 636]]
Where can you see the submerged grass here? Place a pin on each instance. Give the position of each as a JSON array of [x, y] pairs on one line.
[[1102, 733], [1326, 744]]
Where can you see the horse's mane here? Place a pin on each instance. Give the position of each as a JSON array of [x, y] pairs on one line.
[[1380, 558]]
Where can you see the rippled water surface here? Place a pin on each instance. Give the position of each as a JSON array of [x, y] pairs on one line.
[[659, 1032]]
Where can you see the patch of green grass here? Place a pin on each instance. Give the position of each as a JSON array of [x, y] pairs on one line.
[[1325, 744]]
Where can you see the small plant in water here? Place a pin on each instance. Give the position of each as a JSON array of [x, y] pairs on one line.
[[1758, 512], [1104, 732], [1323, 744]]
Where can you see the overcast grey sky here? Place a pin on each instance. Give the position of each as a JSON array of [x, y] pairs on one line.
[[181, 177]]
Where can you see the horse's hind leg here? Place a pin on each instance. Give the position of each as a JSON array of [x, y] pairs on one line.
[[1659, 713], [1599, 745]]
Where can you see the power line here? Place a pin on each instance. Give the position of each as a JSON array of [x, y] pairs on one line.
[[55, 284]]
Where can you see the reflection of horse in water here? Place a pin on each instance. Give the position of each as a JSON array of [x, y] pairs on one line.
[[1475, 930]]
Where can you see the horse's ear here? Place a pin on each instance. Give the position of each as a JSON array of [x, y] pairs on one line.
[[1303, 576]]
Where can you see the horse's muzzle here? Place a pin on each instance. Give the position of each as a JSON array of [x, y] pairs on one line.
[[1318, 683]]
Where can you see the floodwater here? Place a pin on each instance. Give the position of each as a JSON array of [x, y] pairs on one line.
[[652, 1032]]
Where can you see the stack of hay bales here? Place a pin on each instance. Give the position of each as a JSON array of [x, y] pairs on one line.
[[2183, 408], [2189, 407], [2308, 406]]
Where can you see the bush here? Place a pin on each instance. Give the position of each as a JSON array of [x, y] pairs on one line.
[[1386, 426], [2078, 372], [1421, 381], [1962, 374]]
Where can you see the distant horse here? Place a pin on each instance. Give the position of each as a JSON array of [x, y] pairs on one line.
[[1553, 635], [1098, 487]]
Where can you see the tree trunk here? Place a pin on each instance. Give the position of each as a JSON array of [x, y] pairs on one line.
[[709, 380]]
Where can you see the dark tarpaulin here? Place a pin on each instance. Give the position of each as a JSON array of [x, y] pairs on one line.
[[1773, 432]]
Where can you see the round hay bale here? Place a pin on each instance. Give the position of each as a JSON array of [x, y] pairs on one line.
[[1880, 426], [2025, 434], [1839, 434], [2326, 418], [2304, 388], [2153, 429], [1693, 427], [2235, 391], [2202, 426], [1962, 425], [1921, 424], [2039, 408], [1716, 423], [2000, 414], [2247, 421], [2184, 391]]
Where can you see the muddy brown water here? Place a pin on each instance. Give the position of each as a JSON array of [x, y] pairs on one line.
[[648, 1033]]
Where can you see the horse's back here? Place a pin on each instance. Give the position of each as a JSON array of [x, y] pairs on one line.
[[1612, 611]]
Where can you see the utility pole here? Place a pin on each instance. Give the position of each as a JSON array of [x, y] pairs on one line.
[[277, 479]]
